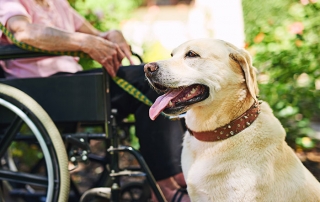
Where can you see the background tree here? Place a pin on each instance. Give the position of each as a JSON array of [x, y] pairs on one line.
[[283, 37]]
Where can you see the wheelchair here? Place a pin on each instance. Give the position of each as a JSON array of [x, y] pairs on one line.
[[40, 115]]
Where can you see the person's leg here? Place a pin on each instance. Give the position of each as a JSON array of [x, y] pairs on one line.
[[160, 140]]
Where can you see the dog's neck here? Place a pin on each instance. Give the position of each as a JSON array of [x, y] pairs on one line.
[[232, 128], [217, 114]]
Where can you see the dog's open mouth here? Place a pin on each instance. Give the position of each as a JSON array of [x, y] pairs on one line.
[[175, 100]]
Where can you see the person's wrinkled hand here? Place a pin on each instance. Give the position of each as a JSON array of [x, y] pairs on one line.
[[117, 37], [107, 53]]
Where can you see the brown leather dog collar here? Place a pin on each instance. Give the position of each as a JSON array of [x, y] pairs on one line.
[[231, 129]]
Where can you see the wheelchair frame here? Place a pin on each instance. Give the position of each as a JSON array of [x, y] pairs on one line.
[[57, 158]]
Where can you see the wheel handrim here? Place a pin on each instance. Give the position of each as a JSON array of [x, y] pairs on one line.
[[41, 141]]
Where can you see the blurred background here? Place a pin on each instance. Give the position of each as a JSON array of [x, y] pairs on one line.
[[282, 37]]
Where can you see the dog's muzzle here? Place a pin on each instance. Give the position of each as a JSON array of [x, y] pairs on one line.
[[175, 100]]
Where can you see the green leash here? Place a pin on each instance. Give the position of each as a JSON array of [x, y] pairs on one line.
[[121, 82]]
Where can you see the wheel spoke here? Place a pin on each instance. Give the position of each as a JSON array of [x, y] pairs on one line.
[[10, 135], [24, 178]]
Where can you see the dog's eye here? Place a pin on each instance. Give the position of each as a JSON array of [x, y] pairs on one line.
[[191, 54]]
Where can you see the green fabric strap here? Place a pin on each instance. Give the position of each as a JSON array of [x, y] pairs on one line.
[[121, 82]]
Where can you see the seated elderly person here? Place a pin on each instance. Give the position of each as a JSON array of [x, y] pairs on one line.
[[53, 25]]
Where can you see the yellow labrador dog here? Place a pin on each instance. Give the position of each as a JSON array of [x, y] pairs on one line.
[[235, 148]]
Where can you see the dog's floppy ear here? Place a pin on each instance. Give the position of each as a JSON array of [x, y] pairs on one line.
[[243, 58]]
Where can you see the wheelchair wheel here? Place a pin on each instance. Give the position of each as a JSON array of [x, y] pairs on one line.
[[34, 162]]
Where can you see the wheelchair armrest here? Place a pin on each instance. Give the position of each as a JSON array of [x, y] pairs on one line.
[[11, 51]]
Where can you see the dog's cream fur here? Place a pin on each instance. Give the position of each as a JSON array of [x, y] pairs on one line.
[[254, 165]]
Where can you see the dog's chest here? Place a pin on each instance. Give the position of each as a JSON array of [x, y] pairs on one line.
[[209, 179], [219, 167]]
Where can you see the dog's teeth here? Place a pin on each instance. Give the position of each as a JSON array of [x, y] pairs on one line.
[[170, 104], [189, 95], [193, 90]]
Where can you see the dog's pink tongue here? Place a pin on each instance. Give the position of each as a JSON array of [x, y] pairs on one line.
[[161, 103]]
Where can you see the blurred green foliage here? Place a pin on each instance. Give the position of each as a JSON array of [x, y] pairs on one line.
[[283, 37], [104, 15]]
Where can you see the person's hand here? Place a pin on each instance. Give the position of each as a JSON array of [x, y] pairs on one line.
[[107, 53], [117, 37]]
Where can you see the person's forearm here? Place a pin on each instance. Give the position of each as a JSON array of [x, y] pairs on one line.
[[47, 38], [107, 53], [50, 39]]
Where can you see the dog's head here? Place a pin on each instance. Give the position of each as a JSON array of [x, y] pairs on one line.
[[198, 73]]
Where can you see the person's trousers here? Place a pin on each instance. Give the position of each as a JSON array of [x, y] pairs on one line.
[[160, 140]]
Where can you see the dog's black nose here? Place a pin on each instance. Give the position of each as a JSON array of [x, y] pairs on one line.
[[150, 68]]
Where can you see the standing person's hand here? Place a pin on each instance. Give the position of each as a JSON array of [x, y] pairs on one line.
[[117, 37]]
